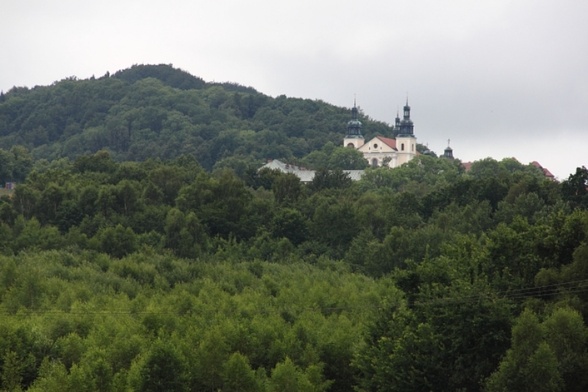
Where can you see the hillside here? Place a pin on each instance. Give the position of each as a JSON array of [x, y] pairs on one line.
[[123, 273], [157, 111]]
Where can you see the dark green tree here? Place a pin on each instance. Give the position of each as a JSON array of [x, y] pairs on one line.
[[330, 179], [287, 188], [575, 188], [530, 364], [163, 370], [290, 223], [238, 376], [344, 158], [117, 241]]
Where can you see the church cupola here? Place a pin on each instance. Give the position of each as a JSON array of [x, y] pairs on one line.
[[406, 125], [354, 137], [448, 153], [354, 125], [396, 129]]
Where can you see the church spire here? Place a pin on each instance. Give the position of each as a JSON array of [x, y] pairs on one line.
[[354, 111], [448, 153], [407, 110], [354, 138], [406, 125]]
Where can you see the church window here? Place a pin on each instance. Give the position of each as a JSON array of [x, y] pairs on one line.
[[402, 147], [375, 145]]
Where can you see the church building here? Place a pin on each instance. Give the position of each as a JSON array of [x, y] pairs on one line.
[[384, 151], [379, 152]]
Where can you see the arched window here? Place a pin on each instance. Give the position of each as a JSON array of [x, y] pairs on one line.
[[402, 147]]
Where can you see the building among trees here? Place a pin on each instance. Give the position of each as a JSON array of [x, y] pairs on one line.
[[305, 175], [380, 151], [384, 151], [448, 153]]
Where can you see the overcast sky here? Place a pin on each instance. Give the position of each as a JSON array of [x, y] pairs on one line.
[[500, 78]]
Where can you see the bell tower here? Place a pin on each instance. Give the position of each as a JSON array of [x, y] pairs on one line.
[[406, 141], [448, 153], [354, 137]]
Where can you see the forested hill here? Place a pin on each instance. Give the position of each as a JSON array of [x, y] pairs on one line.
[[121, 273], [150, 111]]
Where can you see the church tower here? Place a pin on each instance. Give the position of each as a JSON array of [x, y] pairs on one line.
[[448, 153], [354, 138], [406, 141], [396, 130]]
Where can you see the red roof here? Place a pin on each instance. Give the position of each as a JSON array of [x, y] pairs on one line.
[[546, 172], [388, 141]]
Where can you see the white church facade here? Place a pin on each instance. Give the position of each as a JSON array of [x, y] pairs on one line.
[[383, 151], [380, 151]]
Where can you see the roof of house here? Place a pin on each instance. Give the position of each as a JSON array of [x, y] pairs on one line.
[[304, 174], [388, 141], [546, 172]]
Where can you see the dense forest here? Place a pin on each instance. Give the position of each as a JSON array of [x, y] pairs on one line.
[[120, 272], [158, 111]]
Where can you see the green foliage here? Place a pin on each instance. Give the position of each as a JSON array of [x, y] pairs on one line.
[[330, 157], [548, 356], [166, 73], [424, 343], [159, 111], [574, 188], [290, 223], [288, 377], [155, 322], [238, 376], [15, 164], [344, 158], [195, 271], [163, 370], [329, 179], [117, 241], [421, 176], [286, 188]]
